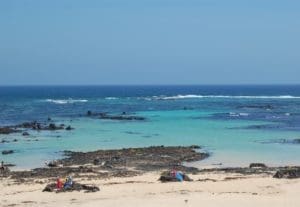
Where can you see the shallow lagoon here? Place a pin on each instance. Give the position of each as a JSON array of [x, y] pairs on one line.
[[219, 124]]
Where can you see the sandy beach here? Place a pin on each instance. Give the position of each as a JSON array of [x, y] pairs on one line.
[[132, 177], [207, 189], [149, 103]]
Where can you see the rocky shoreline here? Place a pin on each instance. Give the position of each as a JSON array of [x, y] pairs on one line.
[[104, 164]]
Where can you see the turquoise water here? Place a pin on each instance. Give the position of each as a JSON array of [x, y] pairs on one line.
[[230, 147], [219, 124]]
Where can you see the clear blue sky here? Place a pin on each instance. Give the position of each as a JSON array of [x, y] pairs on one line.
[[149, 42]]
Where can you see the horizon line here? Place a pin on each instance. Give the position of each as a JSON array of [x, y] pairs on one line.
[[93, 85]]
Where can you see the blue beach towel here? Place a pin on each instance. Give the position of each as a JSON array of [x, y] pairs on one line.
[[179, 176]]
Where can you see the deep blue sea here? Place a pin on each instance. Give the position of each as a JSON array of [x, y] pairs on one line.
[[235, 124]]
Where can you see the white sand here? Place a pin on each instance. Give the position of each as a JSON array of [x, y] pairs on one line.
[[145, 190]]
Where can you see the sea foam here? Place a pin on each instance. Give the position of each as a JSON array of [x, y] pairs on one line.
[[66, 101], [192, 96], [111, 98]]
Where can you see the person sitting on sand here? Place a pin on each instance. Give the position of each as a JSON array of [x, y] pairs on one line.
[[68, 183], [59, 183]]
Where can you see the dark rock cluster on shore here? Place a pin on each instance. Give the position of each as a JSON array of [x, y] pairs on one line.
[[289, 173], [167, 177], [260, 168], [103, 164], [75, 187]]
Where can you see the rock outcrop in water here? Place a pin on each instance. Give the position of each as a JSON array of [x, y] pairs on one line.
[[137, 157], [6, 152], [52, 126], [68, 128], [34, 125], [25, 134], [123, 116], [39, 126], [8, 130], [4, 141]]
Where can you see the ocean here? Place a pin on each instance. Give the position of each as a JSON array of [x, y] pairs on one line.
[[237, 125]]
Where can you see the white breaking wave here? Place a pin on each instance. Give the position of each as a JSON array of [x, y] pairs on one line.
[[66, 101], [233, 114], [111, 98], [191, 96]]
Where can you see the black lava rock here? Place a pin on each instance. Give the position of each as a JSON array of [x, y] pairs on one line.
[[6, 152]]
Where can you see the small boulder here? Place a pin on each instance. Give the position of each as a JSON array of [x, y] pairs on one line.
[[52, 126], [25, 134], [53, 163], [97, 161], [69, 128]]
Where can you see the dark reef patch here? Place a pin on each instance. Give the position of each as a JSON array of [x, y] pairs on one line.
[[8, 130], [34, 126], [123, 116], [280, 141], [277, 120], [258, 106]]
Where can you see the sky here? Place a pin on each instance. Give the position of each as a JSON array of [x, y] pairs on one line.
[[101, 42]]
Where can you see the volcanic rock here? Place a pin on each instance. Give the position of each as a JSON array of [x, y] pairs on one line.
[[257, 165], [6, 152]]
